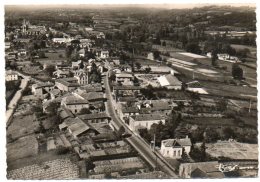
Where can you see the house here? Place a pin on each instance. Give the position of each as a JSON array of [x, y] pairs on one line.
[[82, 76], [61, 40], [93, 96], [7, 45], [74, 103], [61, 74], [200, 170], [104, 54], [82, 52], [174, 148], [126, 68], [95, 117], [67, 84], [162, 107], [22, 52], [62, 66], [196, 87], [144, 121], [80, 128], [161, 69], [64, 113], [170, 81], [11, 75], [42, 88], [126, 91], [124, 77], [95, 87], [76, 64], [150, 56]]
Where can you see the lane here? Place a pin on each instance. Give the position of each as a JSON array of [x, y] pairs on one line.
[[138, 144]]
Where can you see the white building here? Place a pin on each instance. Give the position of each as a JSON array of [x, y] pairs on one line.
[[173, 148], [11, 75], [144, 121], [104, 54], [61, 40], [170, 81], [150, 56], [82, 76]]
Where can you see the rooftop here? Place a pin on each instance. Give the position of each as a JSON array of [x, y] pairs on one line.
[[147, 117], [177, 142], [93, 116]]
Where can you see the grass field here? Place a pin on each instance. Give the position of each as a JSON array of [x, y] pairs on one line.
[[234, 150], [21, 148], [53, 56], [22, 125]]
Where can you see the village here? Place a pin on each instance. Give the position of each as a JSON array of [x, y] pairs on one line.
[[81, 104]]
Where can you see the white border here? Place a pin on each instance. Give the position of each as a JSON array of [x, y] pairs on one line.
[[177, 4]]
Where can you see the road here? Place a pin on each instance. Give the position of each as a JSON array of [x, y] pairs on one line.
[[15, 99], [144, 150]]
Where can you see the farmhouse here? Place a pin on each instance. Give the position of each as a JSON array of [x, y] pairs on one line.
[[173, 148], [95, 117], [42, 88], [67, 84], [144, 121], [74, 103]]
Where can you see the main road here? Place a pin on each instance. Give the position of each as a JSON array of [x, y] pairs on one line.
[[143, 149]]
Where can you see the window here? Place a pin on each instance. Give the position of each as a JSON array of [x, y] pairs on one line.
[[75, 110], [167, 152], [174, 153], [179, 153]]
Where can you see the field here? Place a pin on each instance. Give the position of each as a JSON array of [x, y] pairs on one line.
[[55, 169], [22, 125], [226, 90], [53, 56], [217, 122], [238, 47], [21, 148], [234, 150]]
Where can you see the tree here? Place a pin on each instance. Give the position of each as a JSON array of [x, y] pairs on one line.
[[214, 57], [203, 152], [237, 72], [147, 70], [138, 65], [85, 111], [193, 47], [52, 108], [41, 54], [156, 55], [50, 69], [68, 51], [120, 131], [228, 133]]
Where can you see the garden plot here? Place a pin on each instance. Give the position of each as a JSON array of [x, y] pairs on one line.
[[21, 148], [22, 125], [55, 169], [233, 150]]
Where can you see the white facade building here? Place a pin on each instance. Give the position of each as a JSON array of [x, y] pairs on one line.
[[173, 148]]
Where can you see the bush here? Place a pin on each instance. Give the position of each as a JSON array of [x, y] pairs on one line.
[[62, 150]]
